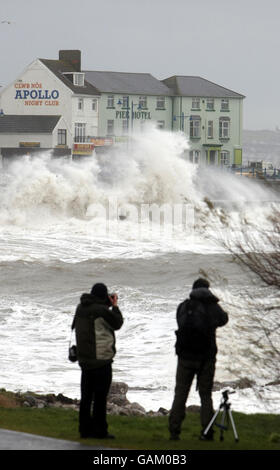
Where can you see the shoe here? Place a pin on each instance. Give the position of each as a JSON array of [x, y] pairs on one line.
[[94, 435], [174, 437], [207, 437], [102, 436]]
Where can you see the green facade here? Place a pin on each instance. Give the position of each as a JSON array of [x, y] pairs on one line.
[[132, 117], [216, 140]]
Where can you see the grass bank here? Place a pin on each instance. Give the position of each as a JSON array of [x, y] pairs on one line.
[[256, 432]]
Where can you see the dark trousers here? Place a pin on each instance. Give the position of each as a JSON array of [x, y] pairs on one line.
[[186, 371], [95, 386]]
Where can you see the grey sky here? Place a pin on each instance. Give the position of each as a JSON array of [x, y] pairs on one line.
[[233, 43]]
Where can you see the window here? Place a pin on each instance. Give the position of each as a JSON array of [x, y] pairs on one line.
[[161, 102], [61, 137], [210, 130], [143, 102], [142, 125], [225, 158], [110, 101], [195, 128], [224, 128], [80, 104], [94, 104], [125, 101], [125, 127], [195, 103], [225, 104], [160, 124], [210, 102], [194, 156], [110, 127], [80, 132], [79, 79]]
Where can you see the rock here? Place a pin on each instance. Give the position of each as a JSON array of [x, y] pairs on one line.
[[275, 382], [193, 409], [117, 403], [30, 400], [235, 384], [64, 400], [117, 393]]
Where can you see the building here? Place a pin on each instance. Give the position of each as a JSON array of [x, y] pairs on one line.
[[29, 134], [211, 116], [99, 108], [129, 100], [56, 87]]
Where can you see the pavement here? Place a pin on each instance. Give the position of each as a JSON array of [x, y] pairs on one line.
[[12, 440]]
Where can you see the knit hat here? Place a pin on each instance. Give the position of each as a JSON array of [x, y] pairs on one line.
[[100, 290], [200, 283]]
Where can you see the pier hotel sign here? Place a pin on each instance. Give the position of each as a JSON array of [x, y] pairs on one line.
[[135, 115]]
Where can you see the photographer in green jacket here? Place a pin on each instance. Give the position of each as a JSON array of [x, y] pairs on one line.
[[96, 319]]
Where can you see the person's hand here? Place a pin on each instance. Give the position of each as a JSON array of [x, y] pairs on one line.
[[114, 300]]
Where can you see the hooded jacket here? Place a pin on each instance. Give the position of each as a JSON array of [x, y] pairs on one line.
[[95, 323], [216, 317]]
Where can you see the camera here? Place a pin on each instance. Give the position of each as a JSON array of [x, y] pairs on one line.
[[72, 356]]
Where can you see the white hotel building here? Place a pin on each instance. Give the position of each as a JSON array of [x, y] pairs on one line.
[[54, 105]]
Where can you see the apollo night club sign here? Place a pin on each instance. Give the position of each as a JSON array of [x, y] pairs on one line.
[[33, 94]]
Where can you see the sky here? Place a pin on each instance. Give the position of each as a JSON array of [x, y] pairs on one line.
[[232, 43]]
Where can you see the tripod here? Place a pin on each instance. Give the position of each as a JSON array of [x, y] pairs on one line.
[[225, 406]]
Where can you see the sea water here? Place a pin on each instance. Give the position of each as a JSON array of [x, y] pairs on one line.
[[66, 225]]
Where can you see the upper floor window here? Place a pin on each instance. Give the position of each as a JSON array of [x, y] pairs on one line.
[[79, 79], [161, 102], [210, 130], [94, 104], [195, 103], [110, 101], [195, 127], [224, 128], [125, 101], [143, 102], [225, 104], [80, 104], [210, 102]]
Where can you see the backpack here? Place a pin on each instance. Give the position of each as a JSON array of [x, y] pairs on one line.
[[194, 332]]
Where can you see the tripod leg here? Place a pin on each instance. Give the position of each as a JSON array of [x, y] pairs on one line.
[[222, 425], [211, 422], [233, 426]]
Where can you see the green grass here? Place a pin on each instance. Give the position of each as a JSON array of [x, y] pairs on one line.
[[257, 431]]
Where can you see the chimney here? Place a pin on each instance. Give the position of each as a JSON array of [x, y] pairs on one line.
[[73, 57]]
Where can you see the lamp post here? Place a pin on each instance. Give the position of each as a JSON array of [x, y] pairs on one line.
[[120, 102], [182, 117]]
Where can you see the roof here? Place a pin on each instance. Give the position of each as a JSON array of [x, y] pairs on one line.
[[129, 83], [198, 86], [27, 124], [58, 67]]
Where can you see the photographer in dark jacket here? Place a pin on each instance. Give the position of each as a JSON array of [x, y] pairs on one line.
[[194, 359], [97, 317]]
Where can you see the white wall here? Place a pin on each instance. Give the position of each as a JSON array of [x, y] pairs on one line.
[[13, 140], [37, 91]]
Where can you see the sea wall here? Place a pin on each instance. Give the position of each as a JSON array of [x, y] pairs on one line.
[[117, 403]]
